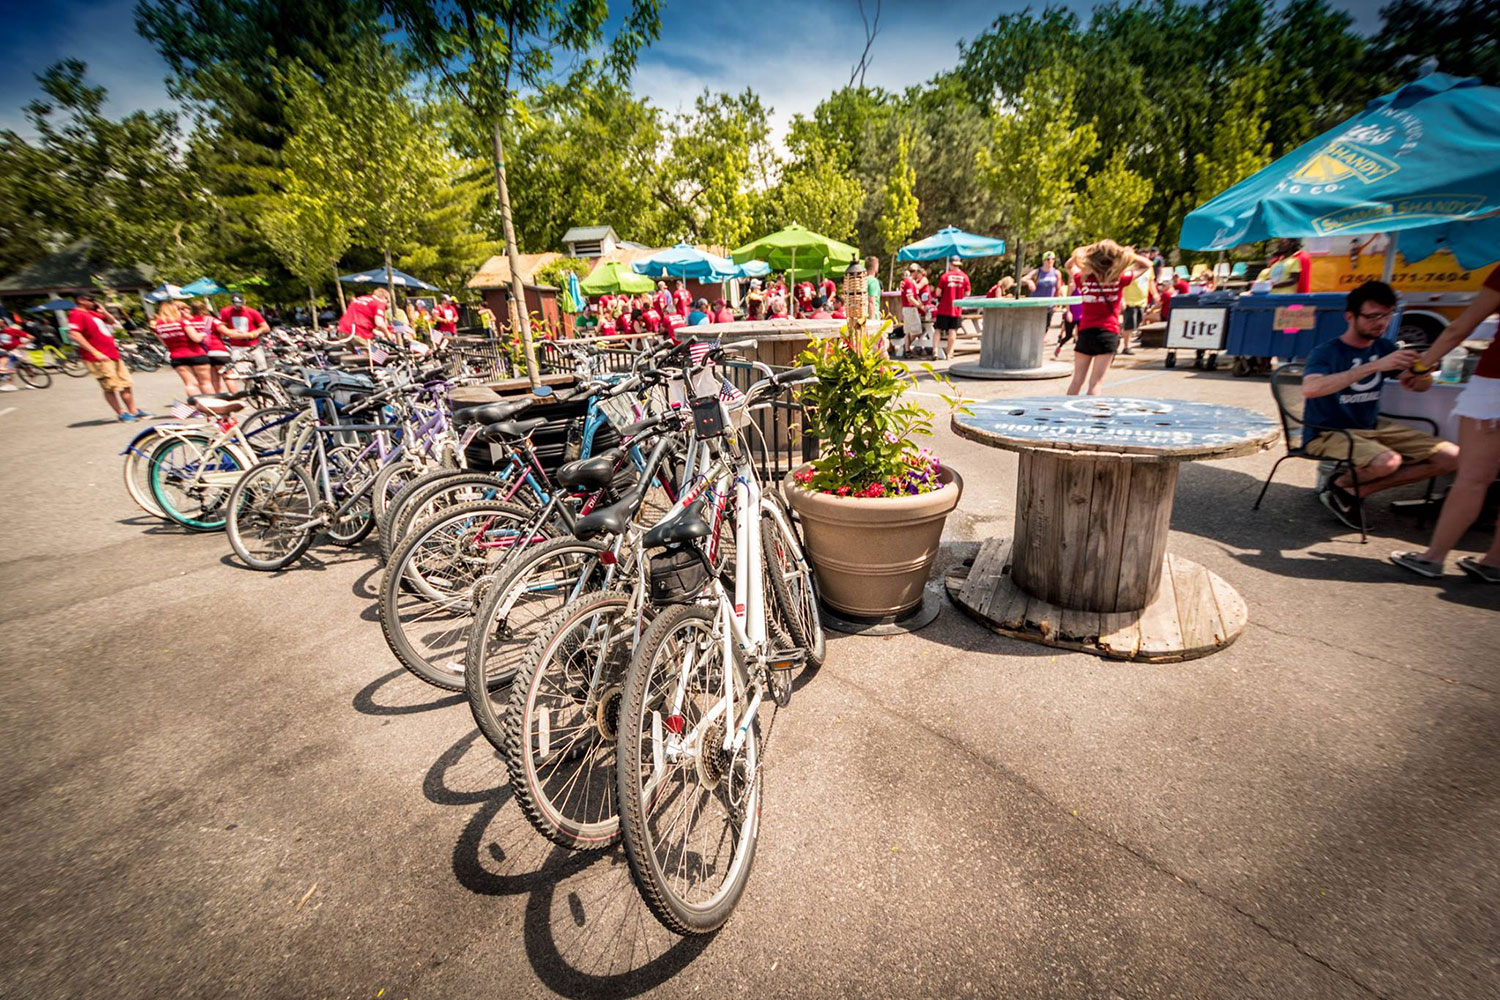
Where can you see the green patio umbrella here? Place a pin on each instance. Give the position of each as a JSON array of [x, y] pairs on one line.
[[613, 277], [819, 254]]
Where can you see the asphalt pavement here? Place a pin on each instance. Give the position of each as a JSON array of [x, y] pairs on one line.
[[217, 782]]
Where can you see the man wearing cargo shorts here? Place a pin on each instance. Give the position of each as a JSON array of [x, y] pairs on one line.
[[1341, 385], [93, 332]]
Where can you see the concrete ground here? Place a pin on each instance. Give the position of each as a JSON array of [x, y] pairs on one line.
[[220, 783]]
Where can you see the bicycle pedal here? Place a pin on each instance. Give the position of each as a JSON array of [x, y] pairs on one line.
[[786, 659]]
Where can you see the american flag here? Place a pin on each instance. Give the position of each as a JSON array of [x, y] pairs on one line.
[[699, 350], [378, 355], [728, 393], [182, 411]]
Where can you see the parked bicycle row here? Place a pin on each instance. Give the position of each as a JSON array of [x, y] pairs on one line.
[[598, 567]]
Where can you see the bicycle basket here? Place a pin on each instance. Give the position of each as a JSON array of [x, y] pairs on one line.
[[678, 574], [345, 386]]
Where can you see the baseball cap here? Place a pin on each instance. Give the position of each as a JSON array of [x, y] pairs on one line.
[[237, 299], [1049, 254]]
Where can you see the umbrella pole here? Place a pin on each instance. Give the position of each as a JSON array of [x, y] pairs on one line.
[[1390, 258], [791, 291]]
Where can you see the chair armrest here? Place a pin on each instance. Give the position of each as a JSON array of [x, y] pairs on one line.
[[1420, 420]]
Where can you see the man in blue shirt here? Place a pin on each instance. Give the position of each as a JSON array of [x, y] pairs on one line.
[[1341, 385], [700, 313]]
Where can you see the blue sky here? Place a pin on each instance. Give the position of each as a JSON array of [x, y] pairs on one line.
[[792, 52]]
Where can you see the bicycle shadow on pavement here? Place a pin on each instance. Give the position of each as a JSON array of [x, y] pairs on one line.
[[585, 930], [365, 703]]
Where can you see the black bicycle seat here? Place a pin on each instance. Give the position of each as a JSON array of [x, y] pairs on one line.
[[308, 392], [593, 473], [510, 430], [685, 527], [489, 413], [612, 520], [225, 396]]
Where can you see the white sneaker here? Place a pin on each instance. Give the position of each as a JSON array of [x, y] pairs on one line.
[[940, 355], [7, 387]]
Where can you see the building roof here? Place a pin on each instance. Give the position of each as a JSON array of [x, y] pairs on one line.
[[495, 272], [583, 234], [77, 267]]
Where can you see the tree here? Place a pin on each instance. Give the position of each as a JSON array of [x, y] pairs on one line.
[[447, 243], [1037, 157], [718, 156], [1112, 205], [899, 205], [306, 228], [486, 51], [815, 192], [1238, 146], [1462, 35]]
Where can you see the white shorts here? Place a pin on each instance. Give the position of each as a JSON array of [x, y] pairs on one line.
[[911, 321], [1480, 399]]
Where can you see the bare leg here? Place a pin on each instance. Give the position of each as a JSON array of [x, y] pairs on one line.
[[113, 399], [1080, 372], [127, 397], [1387, 470], [1479, 462], [1098, 368], [203, 377]]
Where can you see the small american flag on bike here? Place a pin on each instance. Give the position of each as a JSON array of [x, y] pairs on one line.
[[182, 411], [699, 350], [728, 393], [378, 356]]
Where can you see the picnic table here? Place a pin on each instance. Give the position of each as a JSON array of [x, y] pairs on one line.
[[1087, 566], [1011, 339]]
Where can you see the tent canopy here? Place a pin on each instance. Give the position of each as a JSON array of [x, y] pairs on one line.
[[951, 241], [613, 277], [203, 286], [56, 305], [1423, 161], [376, 276], [797, 245]]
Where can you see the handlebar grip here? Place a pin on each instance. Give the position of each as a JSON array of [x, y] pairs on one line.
[[794, 375]]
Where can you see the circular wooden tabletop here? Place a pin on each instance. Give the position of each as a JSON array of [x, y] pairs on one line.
[[985, 302], [1169, 430]]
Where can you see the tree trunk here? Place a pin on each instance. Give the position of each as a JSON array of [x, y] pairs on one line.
[[517, 289], [390, 280], [312, 302], [338, 286]]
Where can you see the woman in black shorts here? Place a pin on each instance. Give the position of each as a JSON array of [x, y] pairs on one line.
[[184, 344], [1107, 270]]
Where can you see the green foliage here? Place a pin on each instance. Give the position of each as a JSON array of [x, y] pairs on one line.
[[1462, 35], [719, 155], [899, 206], [1112, 205], [556, 273], [864, 423], [816, 192], [1238, 146]]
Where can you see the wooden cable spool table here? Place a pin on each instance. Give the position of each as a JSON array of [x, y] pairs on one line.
[[1011, 339], [1087, 567]]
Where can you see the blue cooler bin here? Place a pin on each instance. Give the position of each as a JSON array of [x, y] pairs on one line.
[[1253, 332]]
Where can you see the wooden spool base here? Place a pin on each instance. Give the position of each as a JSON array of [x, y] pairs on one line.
[[1195, 612], [1048, 369]]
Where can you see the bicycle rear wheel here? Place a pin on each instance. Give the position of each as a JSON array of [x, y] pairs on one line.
[[432, 586], [350, 474], [266, 429], [523, 595], [71, 366], [560, 732], [37, 378], [792, 585], [191, 481], [429, 494], [137, 470], [269, 513], [689, 810]]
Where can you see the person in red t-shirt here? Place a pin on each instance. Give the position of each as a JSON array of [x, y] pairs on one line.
[[92, 329], [652, 317], [245, 326], [952, 285], [1105, 272], [12, 336], [214, 332], [828, 289], [805, 295], [722, 312], [681, 300], [1478, 410], [662, 301], [909, 341], [444, 320], [184, 344], [366, 316]]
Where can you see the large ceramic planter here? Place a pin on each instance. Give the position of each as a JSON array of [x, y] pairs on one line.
[[872, 555]]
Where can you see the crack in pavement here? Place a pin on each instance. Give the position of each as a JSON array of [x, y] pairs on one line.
[[1379, 659], [1139, 854]]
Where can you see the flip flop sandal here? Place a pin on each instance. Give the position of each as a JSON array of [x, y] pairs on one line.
[[1422, 567], [1479, 571]]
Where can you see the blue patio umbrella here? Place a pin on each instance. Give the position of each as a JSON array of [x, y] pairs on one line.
[[575, 295], [376, 276], [163, 293], [204, 286], [687, 261], [56, 305], [753, 269], [1422, 161], [951, 241]]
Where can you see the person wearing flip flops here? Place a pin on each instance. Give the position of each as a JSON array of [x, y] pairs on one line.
[[1478, 410]]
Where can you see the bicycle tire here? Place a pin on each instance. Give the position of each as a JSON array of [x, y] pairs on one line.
[[137, 471], [448, 489], [73, 367], [389, 482], [792, 589], [554, 711], [349, 474], [522, 596], [388, 538], [37, 378], [643, 733], [266, 428], [207, 511], [244, 518], [427, 628]]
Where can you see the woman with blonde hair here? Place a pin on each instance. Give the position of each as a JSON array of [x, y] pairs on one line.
[[212, 332], [184, 344], [1105, 269]]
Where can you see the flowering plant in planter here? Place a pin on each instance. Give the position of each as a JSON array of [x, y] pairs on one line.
[[864, 425]]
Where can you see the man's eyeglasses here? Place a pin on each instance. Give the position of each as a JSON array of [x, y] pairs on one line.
[[1375, 316]]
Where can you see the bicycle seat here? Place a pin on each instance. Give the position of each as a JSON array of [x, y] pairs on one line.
[[489, 413], [308, 392], [593, 473], [685, 527], [612, 520], [218, 404], [510, 430]]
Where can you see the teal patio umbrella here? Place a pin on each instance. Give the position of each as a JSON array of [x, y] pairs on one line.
[[203, 286], [1422, 162], [951, 241], [686, 261]]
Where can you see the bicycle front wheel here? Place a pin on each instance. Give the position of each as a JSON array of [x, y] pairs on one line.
[[792, 585], [270, 512], [71, 366], [560, 732], [191, 481], [137, 471], [689, 809], [37, 378]]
